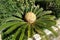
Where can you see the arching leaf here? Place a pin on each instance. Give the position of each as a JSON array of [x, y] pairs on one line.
[[5, 25], [13, 27], [22, 33]]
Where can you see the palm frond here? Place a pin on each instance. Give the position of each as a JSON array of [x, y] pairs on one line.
[[36, 8], [53, 31], [17, 33], [5, 25], [12, 19], [46, 22], [41, 32], [48, 17], [18, 14], [44, 13], [39, 11], [29, 31], [13, 27], [22, 33]]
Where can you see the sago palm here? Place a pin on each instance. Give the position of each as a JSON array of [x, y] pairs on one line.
[[27, 21]]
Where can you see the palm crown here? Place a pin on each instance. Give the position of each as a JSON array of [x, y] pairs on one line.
[[27, 21]]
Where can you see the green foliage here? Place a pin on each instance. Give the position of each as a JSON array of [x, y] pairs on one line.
[[15, 27], [57, 9], [53, 5]]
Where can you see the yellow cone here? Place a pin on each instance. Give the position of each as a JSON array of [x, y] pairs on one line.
[[30, 17]]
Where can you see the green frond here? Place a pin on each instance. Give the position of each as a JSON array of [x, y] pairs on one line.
[[53, 31], [44, 13], [29, 2], [26, 3], [18, 14], [29, 31], [48, 17], [48, 27], [20, 11], [6, 25], [22, 8], [22, 33], [32, 8], [39, 11], [46, 22], [26, 9], [41, 32], [17, 33], [32, 2], [32, 30], [38, 30], [13, 27], [21, 1], [12, 19], [25, 37], [35, 9]]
